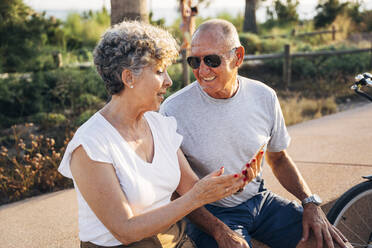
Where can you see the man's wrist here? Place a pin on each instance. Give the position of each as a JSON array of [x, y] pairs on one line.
[[218, 230], [314, 199]]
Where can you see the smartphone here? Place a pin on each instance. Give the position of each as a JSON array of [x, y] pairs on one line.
[[256, 153]]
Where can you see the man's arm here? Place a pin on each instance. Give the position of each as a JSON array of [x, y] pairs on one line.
[[288, 174], [224, 236], [290, 177]]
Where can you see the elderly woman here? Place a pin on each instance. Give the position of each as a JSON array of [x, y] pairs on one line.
[[125, 161]]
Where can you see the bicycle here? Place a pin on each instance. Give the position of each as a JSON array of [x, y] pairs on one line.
[[352, 212]]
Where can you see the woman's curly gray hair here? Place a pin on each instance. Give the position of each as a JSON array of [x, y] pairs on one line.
[[132, 45]]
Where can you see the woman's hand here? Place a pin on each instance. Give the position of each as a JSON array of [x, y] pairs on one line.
[[253, 168], [216, 186]]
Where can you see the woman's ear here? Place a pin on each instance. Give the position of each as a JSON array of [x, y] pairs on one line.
[[127, 78]]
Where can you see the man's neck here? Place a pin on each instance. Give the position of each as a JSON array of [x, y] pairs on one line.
[[229, 91]]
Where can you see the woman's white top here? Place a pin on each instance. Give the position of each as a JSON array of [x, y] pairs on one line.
[[146, 185]]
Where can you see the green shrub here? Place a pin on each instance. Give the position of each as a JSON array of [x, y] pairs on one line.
[[21, 96], [273, 45], [65, 86], [367, 21], [24, 34], [253, 44], [323, 66], [327, 12], [48, 120], [83, 117], [56, 91], [87, 101], [175, 30], [86, 29], [175, 73], [283, 13]]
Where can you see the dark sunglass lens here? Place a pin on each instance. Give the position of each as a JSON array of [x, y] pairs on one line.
[[194, 62], [212, 60]]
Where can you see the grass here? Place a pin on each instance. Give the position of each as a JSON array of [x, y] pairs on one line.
[[298, 109]]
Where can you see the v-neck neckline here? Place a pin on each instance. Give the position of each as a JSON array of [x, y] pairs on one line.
[[153, 134]]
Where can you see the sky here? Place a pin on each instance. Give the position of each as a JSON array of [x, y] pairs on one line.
[[168, 8]]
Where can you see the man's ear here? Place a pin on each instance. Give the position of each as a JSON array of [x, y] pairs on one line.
[[127, 78], [239, 55]]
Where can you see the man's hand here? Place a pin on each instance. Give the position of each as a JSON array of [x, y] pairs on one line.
[[314, 219], [230, 239]]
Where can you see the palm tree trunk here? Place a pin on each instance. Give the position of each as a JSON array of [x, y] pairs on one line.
[[250, 24], [129, 10]]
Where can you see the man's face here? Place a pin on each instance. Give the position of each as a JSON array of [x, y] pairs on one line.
[[215, 81]]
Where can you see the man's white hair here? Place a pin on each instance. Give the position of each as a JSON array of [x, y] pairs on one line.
[[228, 31]]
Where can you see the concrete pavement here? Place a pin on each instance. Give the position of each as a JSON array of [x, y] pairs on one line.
[[332, 154], [48, 221]]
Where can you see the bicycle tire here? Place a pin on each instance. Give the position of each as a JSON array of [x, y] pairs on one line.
[[352, 214]]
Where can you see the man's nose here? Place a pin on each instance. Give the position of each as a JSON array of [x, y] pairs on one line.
[[204, 69]]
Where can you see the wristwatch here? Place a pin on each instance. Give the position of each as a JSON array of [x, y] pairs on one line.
[[312, 199]]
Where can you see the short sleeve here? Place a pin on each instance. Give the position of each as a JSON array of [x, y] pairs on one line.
[[166, 126], [96, 149], [279, 137], [174, 137]]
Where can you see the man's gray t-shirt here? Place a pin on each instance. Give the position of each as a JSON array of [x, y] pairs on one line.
[[228, 132]]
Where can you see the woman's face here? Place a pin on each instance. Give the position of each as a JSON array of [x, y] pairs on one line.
[[151, 85]]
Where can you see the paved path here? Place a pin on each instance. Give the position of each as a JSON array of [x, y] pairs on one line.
[[332, 153]]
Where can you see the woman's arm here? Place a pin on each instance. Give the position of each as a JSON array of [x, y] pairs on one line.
[[100, 188], [224, 236]]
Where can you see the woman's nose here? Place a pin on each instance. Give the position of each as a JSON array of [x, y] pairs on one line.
[[167, 80]]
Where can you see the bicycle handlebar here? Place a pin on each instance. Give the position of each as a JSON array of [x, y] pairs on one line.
[[361, 80]]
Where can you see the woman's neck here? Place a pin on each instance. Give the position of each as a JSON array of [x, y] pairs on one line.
[[123, 113]]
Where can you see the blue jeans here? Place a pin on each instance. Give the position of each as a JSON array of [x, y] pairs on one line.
[[266, 217]]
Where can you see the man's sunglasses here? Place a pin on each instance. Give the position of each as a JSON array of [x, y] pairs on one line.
[[212, 60]]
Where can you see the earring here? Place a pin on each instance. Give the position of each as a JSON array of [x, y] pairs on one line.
[[131, 86]]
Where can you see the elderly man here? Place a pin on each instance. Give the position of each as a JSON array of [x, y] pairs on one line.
[[224, 119]]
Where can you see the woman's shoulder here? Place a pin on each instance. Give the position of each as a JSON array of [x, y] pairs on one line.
[[166, 128], [160, 119], [92, 136], [165, 125], [95, 126]]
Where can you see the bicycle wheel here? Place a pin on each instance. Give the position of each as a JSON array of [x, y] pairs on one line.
[[352, 215]]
